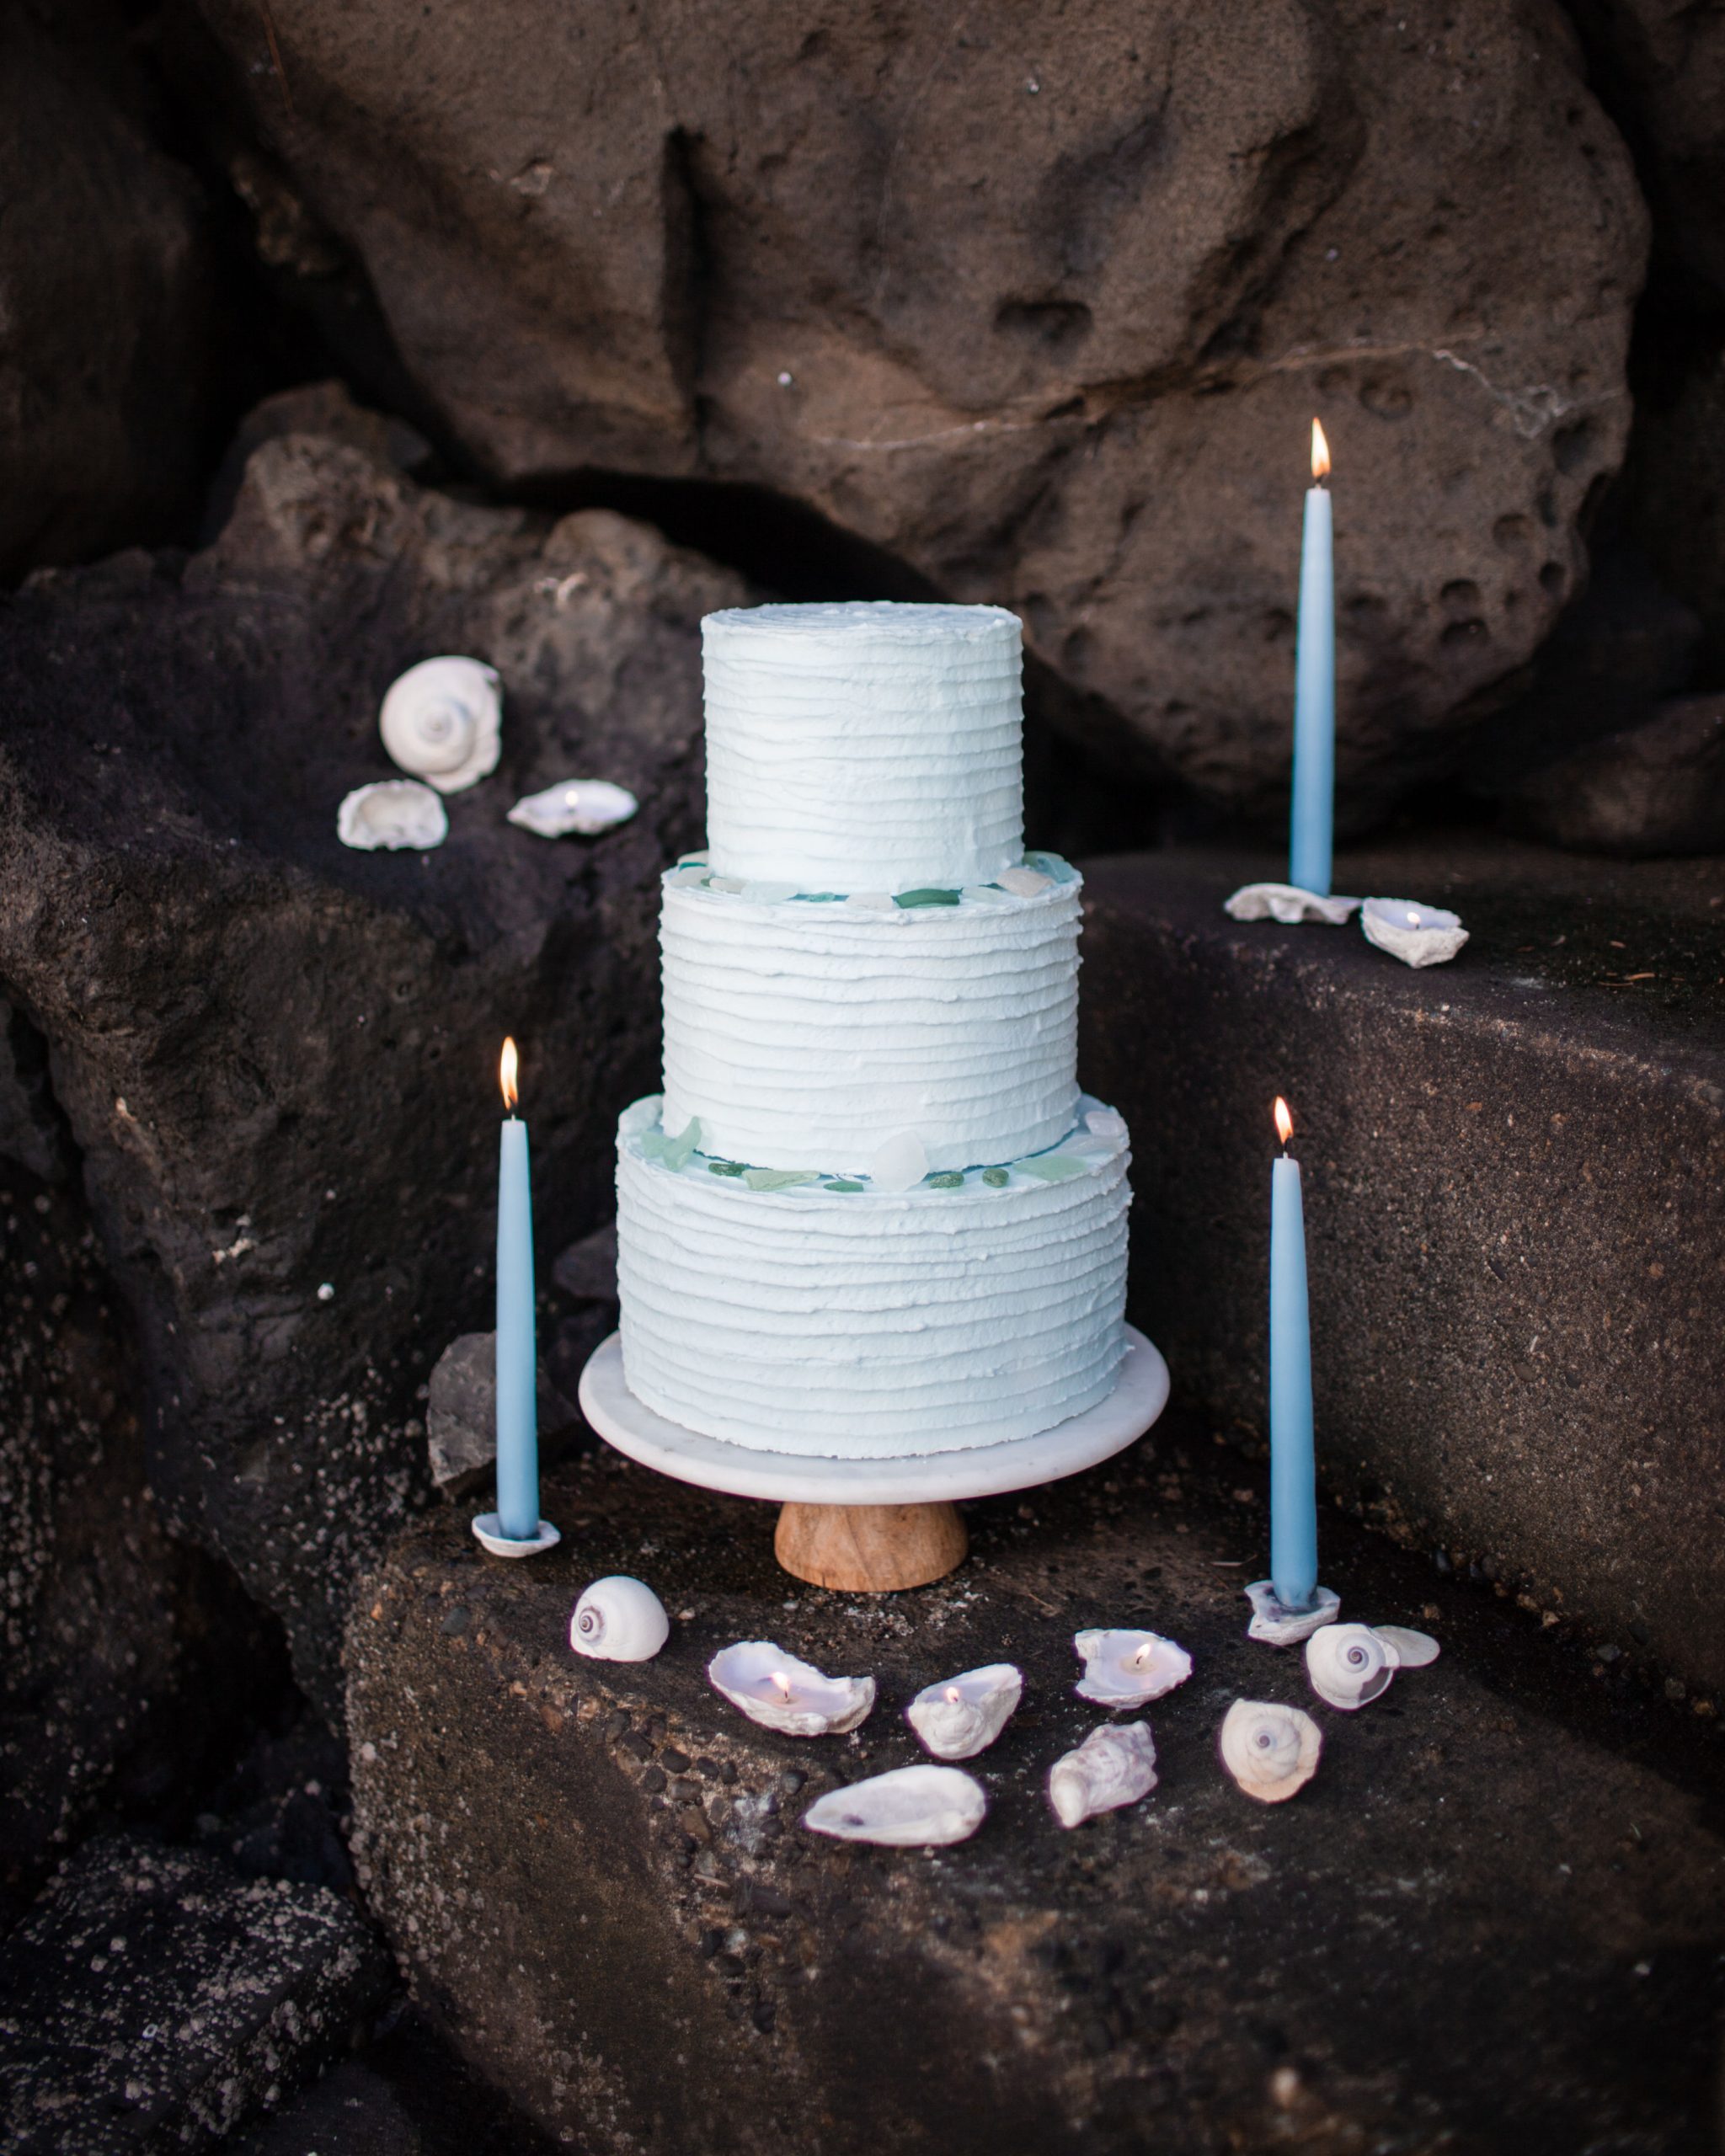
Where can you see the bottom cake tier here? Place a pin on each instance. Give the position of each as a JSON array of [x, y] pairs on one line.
[[818, 1314]]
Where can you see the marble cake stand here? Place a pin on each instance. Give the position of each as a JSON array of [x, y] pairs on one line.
[[874, 1524]]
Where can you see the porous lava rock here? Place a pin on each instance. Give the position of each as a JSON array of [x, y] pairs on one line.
[[1655, 788], [278, 1056], [127, 1656], [153, 1999], [106, 332], [1040, 305], [596, 1878]]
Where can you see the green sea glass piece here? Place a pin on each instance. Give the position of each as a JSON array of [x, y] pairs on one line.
[[679, 1151], [843, 1183], [1051, 864], [1051, 1167], [996, 1178], [724, 1167], [908, 898], [820, 898], [778, 1179], [947, 1181]]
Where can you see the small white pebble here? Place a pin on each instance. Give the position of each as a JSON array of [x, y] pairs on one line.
[[785, 378], [326, 1294]]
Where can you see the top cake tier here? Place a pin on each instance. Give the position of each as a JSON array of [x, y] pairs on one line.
[[863, 747]]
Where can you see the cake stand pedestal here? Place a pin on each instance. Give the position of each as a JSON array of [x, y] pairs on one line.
[[874, 1525]]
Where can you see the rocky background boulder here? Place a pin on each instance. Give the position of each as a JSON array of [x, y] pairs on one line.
[[1039, 307], [276, 1057]]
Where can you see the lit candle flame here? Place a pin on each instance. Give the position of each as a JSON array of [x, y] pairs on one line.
[[1285, 1122], [954, 1696], [1320, 453], [506, 1070], [782, 1681], [1142, 1656]]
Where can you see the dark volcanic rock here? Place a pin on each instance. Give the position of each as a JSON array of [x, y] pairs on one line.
[[130, 1659], [1040, 306], [1658, 787], [1512, 1167], [153, 1999], [278, 1056], [1455, 1938], [105, 343], [461, 1414]]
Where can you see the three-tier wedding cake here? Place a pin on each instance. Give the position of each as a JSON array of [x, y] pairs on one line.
[[871, 1215]]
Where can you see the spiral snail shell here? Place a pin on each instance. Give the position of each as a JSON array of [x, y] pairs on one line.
[[619, 1619], [442, 720], [1349, 1665], [1271, 1751]]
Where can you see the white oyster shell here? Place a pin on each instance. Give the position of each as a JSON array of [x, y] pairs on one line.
[[1411, 1650], [781, 1693], [901, 1163], [1129, 1669], [1417, 934], [392, 813], [1288, 904], [1273, 1621], [585, 806], [1114, 1765], [964, 1716], [1271, 1751], [911, 1808], [1350, 1666], [619, 1619], [442, 720]]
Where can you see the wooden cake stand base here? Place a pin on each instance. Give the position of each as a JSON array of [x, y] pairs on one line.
[[873, 1526]]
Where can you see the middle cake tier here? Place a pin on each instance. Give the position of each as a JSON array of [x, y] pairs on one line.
[[804, 1031]]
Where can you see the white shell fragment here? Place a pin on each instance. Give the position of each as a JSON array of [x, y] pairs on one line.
[[1288, 904], [963, 1717], [442, 720], [619, 1619], [901, 1164], [781, 1693], [1411, 1650], [585, 806], [1417, 934], [1114, 1765], [1271, 1751], [911, 1808], [1129, 1669], [1279, 1626], [394, 813], [1350, 1666]]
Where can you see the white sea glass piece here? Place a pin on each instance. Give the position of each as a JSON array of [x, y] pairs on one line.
[[781, 1693], [583, 806], [986, 894], [442, 720], [1350, 1666], [763, 893], [391, 815], [1417, 934], [1129, 1669], [1271, 1751], [873, 901], [1115, 1765], [1024, 882], [1411, 1650], [619, 1619], [900, 1164], [1105, 1122], [911, 1808], [963, 1715], [1288, 904], [1279, 1626]]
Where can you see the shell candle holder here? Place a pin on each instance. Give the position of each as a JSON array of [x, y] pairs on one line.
[[1278, 1625], [1287, 904], [1417, 934], [963, 1717], [781, 1693], [1129, 1669]]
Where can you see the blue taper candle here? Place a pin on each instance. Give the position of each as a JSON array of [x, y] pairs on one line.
[[1293, 1480], [1313, 818], [517, 1401]]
